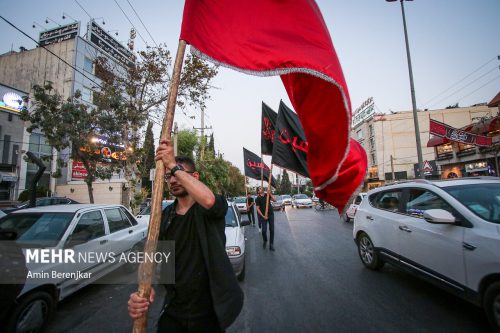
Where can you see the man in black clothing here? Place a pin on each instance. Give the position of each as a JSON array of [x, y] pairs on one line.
[[264, 219], [250, 204], [206, 296]]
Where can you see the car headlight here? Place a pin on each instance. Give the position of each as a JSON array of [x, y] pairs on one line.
[[233, 251]]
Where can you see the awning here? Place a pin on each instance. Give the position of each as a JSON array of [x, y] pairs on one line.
[[495, 101], [8, 177], [436, 141]]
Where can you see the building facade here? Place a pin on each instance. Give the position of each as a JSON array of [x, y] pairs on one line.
[[70, 67], [11, 136], [390, 145]]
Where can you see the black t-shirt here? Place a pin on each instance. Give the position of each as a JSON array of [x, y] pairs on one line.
[[261, 203], [191, 292], [249, 202]]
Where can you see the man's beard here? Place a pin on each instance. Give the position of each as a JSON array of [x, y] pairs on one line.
[[179, 192]]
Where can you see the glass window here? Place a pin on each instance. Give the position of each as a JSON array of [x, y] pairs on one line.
[[86, 94], [388, 200], [420, 200], [128, 216], [231, 218], [90, 226], [359, 134], [37, 226], [116, 220], [444, 149], [88, 65], [481, 199], [465, 147]]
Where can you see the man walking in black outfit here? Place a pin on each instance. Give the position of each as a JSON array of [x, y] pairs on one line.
[[260, 203], [250, 204], [206, 296]]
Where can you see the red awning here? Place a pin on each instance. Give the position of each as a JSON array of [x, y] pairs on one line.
[[495, 101], [436, 141]]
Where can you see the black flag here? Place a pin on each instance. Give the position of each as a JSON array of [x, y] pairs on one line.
[[290, 145], [267, 132], [253, 165]]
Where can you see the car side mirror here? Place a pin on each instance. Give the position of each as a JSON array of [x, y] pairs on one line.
[[439, 216], [244, 223]]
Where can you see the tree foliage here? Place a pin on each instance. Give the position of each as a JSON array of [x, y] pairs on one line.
[[286, 185], [72, 124]]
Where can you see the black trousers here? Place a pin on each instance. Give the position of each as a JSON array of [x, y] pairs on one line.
[[270, 221], [206, 324], [251, 216]]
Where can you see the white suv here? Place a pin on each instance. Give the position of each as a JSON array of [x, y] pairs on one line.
[[447, 232]]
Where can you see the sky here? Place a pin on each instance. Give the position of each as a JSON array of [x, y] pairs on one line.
[[454, 47]]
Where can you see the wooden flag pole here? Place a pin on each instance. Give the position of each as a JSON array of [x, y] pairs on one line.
[[269, 182], [262, 172], [146, 268], [246, 189]]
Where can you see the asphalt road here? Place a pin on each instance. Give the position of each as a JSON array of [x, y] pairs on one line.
[[313, 282]]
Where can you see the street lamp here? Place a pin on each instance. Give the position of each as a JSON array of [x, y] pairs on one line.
[[413, 101]]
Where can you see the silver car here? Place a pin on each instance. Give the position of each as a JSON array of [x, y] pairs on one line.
[[65, 229], [235, 240]]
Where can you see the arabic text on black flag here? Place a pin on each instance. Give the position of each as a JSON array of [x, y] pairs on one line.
[[290, 146], [267, 132], [253, 165]]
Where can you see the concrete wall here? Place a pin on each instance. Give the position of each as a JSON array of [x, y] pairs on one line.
[[102, 192]]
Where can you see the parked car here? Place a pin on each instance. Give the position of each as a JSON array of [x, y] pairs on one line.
[[301, 200], [287, 200], [278, 204], [241, 204], [446, 232], [145, 214], [353, 207], [40, 202], [82, 228], [2, 214], [235, 240]]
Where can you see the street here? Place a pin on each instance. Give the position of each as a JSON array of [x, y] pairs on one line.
[[313, 282]]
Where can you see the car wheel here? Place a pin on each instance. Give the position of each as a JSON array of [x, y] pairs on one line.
[[31, 313], [241, 276], [492, 305], [367, 253]]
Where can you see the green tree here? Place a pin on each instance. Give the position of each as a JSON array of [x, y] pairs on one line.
[[138, 93], [236, 181], [286, 185], [187, 143], [71, 124], [147, 154]]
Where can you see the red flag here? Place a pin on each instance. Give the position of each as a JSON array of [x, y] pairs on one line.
[[288, 38]]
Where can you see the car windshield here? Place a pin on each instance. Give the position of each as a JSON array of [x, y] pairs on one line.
[[147, 210], [231, 218], [240, 200], [481, 199], [36, 227], [285, 197], [301, 196]]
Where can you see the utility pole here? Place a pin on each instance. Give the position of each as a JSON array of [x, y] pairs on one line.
[[175, 138], [202, 135], [413, 99], [392, 169]]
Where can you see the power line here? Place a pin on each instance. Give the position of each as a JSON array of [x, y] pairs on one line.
[[83, 9], [466, 86], [142, 23], [131, 23], [55, 55], [456, 83], [480, 87]]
